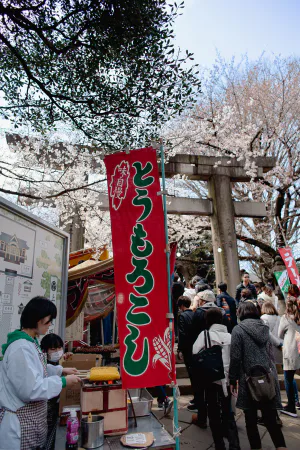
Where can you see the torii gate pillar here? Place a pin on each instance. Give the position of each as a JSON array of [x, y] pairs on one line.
[[223, 232]]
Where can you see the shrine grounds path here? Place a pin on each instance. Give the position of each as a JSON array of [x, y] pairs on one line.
[[193, 437]]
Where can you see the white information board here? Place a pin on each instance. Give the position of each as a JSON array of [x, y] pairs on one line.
[[34, 258]]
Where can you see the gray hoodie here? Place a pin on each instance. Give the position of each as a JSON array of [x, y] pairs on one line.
[[251, 346]]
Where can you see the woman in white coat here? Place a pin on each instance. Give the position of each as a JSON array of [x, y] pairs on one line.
[[27, 382], [271, 318], [289, 325]]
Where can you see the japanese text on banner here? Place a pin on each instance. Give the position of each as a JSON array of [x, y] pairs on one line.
[[138, 238]]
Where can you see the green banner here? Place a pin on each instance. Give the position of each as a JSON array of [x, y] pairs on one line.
[[283, 281]]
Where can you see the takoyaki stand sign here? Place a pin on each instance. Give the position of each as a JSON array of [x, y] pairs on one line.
[[137, 223]]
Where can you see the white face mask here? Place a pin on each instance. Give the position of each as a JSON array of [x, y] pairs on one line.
[[55, 356]]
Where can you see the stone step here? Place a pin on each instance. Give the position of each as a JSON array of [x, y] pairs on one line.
[[184, 385], [181, 371], [177, 360]]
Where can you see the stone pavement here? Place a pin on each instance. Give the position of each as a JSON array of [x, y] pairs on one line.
[[192, 437]]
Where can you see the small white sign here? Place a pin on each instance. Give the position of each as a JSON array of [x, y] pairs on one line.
[[9, 280], [8, 309], [26, 270], [53, 289], [136, 438], [6, 298]]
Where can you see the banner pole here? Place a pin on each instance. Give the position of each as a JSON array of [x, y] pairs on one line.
[[174, 388]]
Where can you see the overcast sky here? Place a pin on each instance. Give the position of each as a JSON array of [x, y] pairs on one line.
[[236, 27]]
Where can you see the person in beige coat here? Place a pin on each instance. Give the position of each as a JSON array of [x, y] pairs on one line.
[[271, 318], [268, 295], [289, 325]]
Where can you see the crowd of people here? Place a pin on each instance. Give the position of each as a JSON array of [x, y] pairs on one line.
[[253, 338]]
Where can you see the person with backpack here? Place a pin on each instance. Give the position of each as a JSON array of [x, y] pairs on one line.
[[288, 326], [206, 300], [251, 359], [217, 393], [225, 301]]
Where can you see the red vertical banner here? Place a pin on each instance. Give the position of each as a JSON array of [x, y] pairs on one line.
[[141, 283], [290, 264]]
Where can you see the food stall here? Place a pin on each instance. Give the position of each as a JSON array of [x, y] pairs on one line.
[[127, 414], [141, 272]]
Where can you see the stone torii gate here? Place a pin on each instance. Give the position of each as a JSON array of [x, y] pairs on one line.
[[220, 173], [220, 206]]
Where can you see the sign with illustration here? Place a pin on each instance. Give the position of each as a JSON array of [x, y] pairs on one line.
[[17, 247], [139, 246], [33, 261], [290, 264], [283, 281]]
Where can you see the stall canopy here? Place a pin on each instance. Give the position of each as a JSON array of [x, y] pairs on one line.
[[90, 289]]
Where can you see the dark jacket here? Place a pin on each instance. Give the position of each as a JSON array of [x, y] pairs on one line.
[[185, 340], [199, 322], [239, 289], [232, 307], [251, 346]]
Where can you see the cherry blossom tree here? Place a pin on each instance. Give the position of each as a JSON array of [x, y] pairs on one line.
[[251, 109]]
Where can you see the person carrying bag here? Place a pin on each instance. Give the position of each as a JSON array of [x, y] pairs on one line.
[[211, 353], [208, 362], [253, 376], [261, 384]]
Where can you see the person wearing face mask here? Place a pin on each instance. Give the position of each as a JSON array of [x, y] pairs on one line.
[[27, 382], [53, 347]]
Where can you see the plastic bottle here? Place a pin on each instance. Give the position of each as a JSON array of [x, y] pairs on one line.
[[72, 431]]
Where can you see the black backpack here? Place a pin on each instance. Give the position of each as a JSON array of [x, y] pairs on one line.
[[207, 364]]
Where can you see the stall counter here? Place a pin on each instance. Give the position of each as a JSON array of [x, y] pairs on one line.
[[162, 439]]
